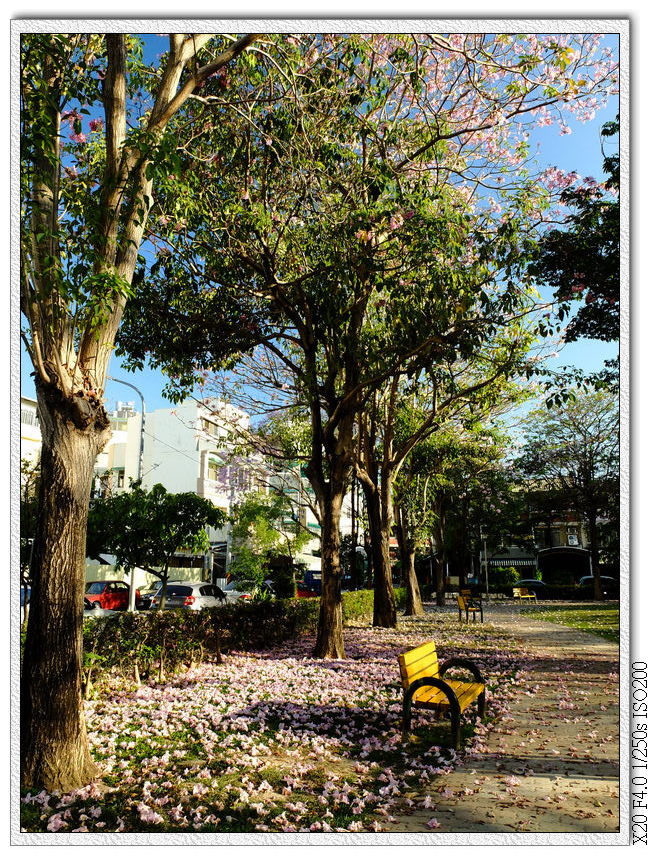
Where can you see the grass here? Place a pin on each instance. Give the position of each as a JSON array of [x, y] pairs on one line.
[[602, 620]]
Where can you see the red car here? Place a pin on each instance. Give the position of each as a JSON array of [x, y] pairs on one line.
[[303, 591], [110, 594]]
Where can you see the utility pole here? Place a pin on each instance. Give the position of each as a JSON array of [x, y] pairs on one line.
[[140, 463]]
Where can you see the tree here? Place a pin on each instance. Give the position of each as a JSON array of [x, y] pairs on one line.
[[455, 471], [571, 453], [30, 477], [146, 528], [582, 261], [85, 203], [359, 234], [264, 525]]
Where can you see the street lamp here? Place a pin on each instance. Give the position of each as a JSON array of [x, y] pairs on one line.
[[140, 462], [485, 562]]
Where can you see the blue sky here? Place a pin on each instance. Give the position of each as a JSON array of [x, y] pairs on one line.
[[579, 151]]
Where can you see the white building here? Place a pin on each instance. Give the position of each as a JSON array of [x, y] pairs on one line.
[[119, 461], [30, 431], [190, 448]]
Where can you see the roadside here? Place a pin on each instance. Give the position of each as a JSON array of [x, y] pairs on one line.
[[552, 764]]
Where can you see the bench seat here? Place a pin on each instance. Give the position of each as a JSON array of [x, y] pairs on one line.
[[425, 687], [521, 594]]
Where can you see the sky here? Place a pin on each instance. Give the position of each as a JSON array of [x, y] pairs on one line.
[[579, 151]]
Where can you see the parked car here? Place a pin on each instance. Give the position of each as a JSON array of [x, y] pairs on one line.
[[304, 591], [233, 595], [110, 594], [540, 588], [190, 596], [610, 587], [147, 595], [90, 610]]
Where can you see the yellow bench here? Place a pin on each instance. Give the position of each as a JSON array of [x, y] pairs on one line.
[[521, 594], [426, 688], [469, 605]]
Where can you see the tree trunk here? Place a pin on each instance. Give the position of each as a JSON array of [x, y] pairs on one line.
[[439, 535], [414, 605], [329, 640], [379, 512], [54, 746], [594, 552]]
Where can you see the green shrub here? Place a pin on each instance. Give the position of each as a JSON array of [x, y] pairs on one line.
[[503, 578], [358, 606], [133, 644]]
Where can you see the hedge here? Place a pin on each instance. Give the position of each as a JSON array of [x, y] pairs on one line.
[[135, 644]]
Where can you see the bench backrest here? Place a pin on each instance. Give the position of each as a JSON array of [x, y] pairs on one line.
[[462, 602], [516, 592], [466, 593], [419, 662]]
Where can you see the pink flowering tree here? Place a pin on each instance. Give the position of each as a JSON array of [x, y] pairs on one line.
[[378, 207], [98, 139]]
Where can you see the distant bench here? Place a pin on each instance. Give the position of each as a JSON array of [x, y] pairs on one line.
[[469, 605], [426, 688], [520, 594]]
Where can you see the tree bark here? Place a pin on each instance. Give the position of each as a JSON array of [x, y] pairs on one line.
[[414, 605], [439, 535], [54, 745], [329, 640], [379, 511]]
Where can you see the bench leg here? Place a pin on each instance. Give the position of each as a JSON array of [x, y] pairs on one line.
[[481, 615], [406, 721], [455, 728], [481, 705]]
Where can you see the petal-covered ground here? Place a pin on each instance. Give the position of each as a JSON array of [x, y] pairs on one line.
[[277, 741], [551, 764]]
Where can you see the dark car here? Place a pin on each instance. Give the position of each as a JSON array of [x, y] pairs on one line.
[[610, 587], [540, 588], [110, 594], [304, 591]]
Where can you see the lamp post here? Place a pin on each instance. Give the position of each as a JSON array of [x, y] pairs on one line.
[[485, 561], [139, 478]]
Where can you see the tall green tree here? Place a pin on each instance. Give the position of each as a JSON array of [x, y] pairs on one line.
[[98, 141], [582, 259], [373, 219], [265, 525], [146, 528], [572, 453]]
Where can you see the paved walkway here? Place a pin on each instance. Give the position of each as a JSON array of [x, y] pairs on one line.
[[552, 764]]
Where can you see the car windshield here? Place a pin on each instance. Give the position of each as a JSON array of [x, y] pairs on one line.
[[95, 588]]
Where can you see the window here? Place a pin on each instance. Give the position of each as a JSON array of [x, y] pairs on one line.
[[29, 417], [209, 427], [120, 479]]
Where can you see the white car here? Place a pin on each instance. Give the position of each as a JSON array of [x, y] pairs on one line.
[[233, 595], [190, 596]]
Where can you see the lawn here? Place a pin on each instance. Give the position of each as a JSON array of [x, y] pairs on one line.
[[275, 740], [599, 619]]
